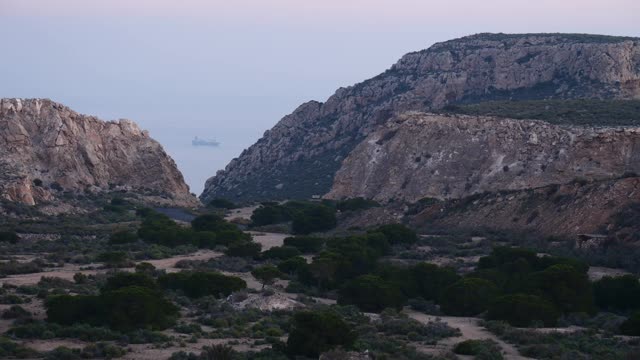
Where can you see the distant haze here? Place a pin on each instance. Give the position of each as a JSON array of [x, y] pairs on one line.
[[231, 69]]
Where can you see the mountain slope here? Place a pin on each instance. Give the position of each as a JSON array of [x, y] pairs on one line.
[[421, 155], [48, 149], [299, 156]]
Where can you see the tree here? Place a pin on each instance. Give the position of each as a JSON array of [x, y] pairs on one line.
[[281, 252], [468, 297], [620, 293], [198, 284], [266, 275], [222, 204], [292, 265], [631, 326], [9, 236], [522, 310], [430, 280], [314, 332], [567, 288], [211, 222], [314, 218], [371, 294], [306, 244], [136, 307], [244, 249], [122, 237], [126, 279], [398, 234]]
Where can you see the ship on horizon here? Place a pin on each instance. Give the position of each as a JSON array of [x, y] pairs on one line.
[[204, 142]]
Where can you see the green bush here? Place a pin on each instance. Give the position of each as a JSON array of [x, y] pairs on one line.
[[125, 279], [619, 293], [371, 294], [292, 265], [314, 332], [137, 307], [281, 252], [314, 219], [356, 204], [481, 349], [567, 288], [222, 204], [523, 310], [122, 237], [468, 297], [398, 234], [631, 326], [9, 237], [10, 349], [198, 284], [306, 244], [266, 274], [244, 249], [15, 312]]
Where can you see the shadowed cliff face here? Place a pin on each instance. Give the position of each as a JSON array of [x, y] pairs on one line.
[[301, 154], [425, 155], [47, 149]]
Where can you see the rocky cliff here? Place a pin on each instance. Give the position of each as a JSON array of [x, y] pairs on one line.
[[301, 154], [420, 155], [48, 149]]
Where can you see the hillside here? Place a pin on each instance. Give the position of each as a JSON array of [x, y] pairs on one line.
[[300, 156], [50, 151]]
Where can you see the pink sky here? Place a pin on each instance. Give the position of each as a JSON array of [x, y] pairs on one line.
[[572, 12]]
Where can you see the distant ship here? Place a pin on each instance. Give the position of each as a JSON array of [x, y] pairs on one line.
[[204, 142]]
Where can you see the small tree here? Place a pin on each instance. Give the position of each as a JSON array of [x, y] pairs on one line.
[[267, 274], [371, 294], [314, 332], [522, 310], [468, 297], [9, 236]]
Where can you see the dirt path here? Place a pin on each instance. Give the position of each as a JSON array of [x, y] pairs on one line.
[[470, 329]]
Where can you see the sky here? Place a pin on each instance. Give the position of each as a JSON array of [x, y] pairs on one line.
[[230, 70]]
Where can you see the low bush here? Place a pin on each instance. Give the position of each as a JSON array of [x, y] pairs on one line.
[[281, 252], [315, 332], [306, 244], [523, 310], [468, 297], [198, 284], [371, 294]]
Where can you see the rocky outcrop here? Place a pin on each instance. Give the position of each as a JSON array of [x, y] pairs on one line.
[[420, 155], [568, 210], [48, 149], [301, 154]]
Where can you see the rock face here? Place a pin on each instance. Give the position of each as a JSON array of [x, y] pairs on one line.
[[301, 154], [48, 148], [425, 155], [557, 210]]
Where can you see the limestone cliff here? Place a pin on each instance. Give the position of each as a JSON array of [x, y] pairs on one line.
[[420, 155], [301, 154], [48, 149]]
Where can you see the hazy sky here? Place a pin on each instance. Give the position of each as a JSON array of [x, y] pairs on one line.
[[231, 69]]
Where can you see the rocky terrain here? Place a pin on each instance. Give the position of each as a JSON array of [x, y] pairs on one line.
[[300, 156], [421, 155], [49, 150]]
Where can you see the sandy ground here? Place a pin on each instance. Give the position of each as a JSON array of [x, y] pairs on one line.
[[241, 213], [268, 240], [470, 329], [597, 272]]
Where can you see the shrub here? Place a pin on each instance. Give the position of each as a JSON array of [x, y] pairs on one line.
[[211, 222], [15, 312], [567, 288], [371, 294], [113, 258], [306, 244], [266, 274], [9, 237], [122, 237], [523, 310], [198, 284], [620, 293], [125, 279], [631, 326], [222, 204], [398, 234], [356, 204], [218, 352], [481, 349], [281, 252], [314, 332], [135, 307], [468, 297], [314, 219], [244, 249], [10, 349], [430, 280], [292, 265]]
